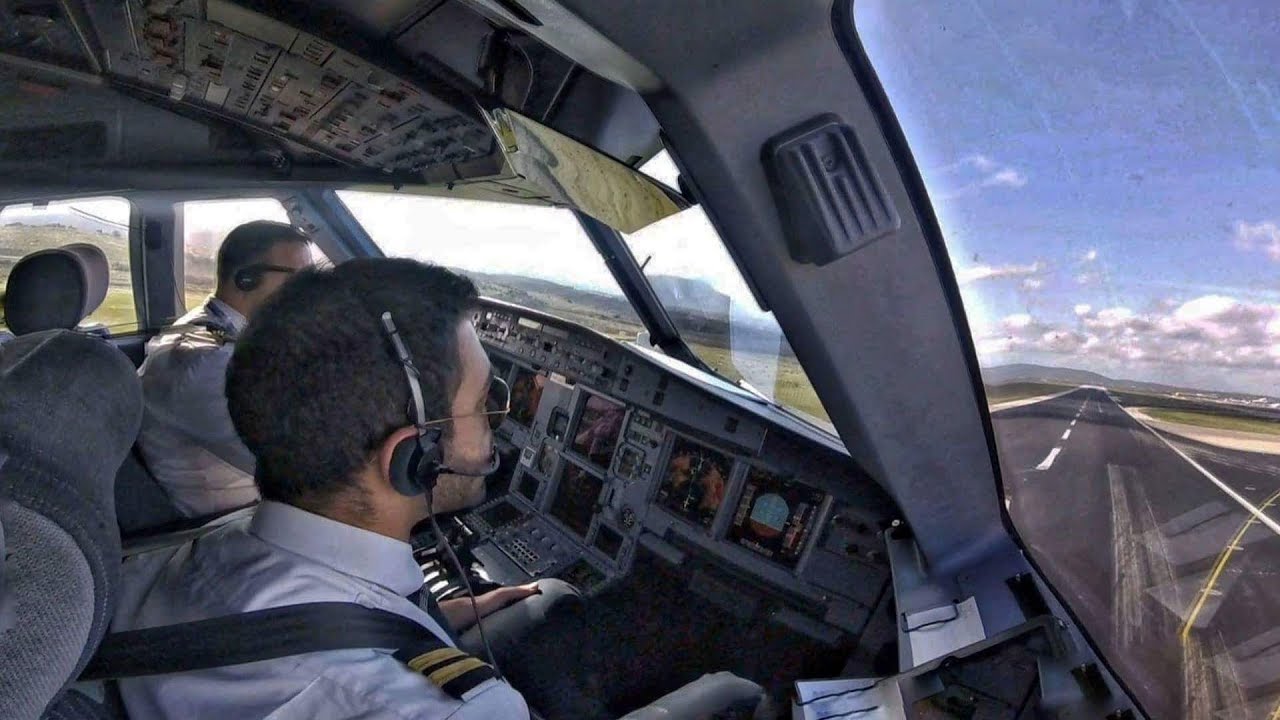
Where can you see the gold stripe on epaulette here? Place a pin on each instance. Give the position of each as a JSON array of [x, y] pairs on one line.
[[455, 670], [427, 659]]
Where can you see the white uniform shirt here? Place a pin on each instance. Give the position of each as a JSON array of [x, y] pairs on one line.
[[187, 438], [285, 556]]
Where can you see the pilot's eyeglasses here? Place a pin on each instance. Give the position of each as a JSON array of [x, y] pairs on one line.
[[497, 401], [497, 404]]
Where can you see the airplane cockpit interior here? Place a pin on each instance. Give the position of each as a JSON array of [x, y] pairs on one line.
[[718, 275]]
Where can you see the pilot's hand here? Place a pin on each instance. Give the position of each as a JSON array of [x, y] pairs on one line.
[[459, 613], [510, 594]]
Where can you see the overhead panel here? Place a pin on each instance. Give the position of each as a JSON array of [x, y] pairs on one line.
[[223, 58]]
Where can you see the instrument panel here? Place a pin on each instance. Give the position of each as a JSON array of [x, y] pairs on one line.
[[618, 453]]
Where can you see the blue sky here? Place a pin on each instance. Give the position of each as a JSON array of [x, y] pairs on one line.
[[1105, 174]]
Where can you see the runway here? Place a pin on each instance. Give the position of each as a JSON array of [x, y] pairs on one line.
[[1167, 549]]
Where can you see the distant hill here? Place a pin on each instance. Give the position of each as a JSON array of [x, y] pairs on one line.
[[78, 221], [1027, 372], [702, 313]]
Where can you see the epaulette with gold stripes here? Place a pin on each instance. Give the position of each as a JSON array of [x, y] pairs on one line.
[[450, 669]]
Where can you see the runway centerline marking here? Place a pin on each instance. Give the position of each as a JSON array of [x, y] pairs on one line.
[[1066, 434], [1048, 460], [1073, 422]]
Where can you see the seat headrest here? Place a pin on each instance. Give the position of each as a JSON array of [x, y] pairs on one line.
[[56, 288], [70, 409]]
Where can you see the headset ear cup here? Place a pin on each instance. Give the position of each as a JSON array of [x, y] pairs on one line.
[[247, 279], [430, 460], [404, 464]]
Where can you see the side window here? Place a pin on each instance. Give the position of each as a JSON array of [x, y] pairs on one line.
[[205, 223], [103, 222]]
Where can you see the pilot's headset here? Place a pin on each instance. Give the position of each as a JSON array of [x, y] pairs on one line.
[[418, 462]]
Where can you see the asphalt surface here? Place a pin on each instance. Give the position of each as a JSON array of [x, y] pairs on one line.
[[1176, 580]]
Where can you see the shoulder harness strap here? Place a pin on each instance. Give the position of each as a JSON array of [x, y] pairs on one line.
[[280, 632]]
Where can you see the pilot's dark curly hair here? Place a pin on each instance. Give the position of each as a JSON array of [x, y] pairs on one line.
[[314, 387]]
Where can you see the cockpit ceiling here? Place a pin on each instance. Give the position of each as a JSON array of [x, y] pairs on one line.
[[394, 97], [221, 60]]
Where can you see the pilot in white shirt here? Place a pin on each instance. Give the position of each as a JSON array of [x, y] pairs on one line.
[[284, 556], [334, 407], [187, 439]]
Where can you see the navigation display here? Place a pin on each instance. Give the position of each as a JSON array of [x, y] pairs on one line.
[[775, 516], [526, 391], [575, 500], [695, 481], [598, 428]]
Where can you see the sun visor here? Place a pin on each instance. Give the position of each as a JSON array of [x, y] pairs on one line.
[[577, 175]]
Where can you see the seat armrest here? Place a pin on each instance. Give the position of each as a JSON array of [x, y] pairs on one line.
[[704, 697]]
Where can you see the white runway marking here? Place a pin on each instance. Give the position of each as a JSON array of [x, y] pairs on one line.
[[1066, 434], [1073, 422], [1048, 460], [1248, 506]]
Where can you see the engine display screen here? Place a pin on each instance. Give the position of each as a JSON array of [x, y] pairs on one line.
[[526, 391], [695, 481], [596, 436], [775, 516], [575, 500]]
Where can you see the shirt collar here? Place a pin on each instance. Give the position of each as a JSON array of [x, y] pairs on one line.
[[348, 549], [223, 311]]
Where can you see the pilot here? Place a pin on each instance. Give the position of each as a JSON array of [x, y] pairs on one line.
[[187, 439], [320, 395]]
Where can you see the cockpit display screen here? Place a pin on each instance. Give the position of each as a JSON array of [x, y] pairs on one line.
[[596, 436], [526, 391], [695, 481], [775, 516], [576, 497]]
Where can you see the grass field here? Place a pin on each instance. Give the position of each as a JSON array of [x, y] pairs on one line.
[[117, 310], [791, 387], [1215, 420], [1021, 390]]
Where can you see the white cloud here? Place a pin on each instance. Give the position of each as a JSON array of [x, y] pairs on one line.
[[1032, 284], [976, 172], [1020, 321], [981, 163], [976, 273], [1112, 317], [1088, 278], [1007, 177], [1091, 255], [1206, 332], [1261, 236]]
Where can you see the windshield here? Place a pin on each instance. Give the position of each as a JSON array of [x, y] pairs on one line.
[[700, 286], [1105, 177], [533, 256]]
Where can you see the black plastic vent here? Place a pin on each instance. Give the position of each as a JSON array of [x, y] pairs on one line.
[[830, 198]]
